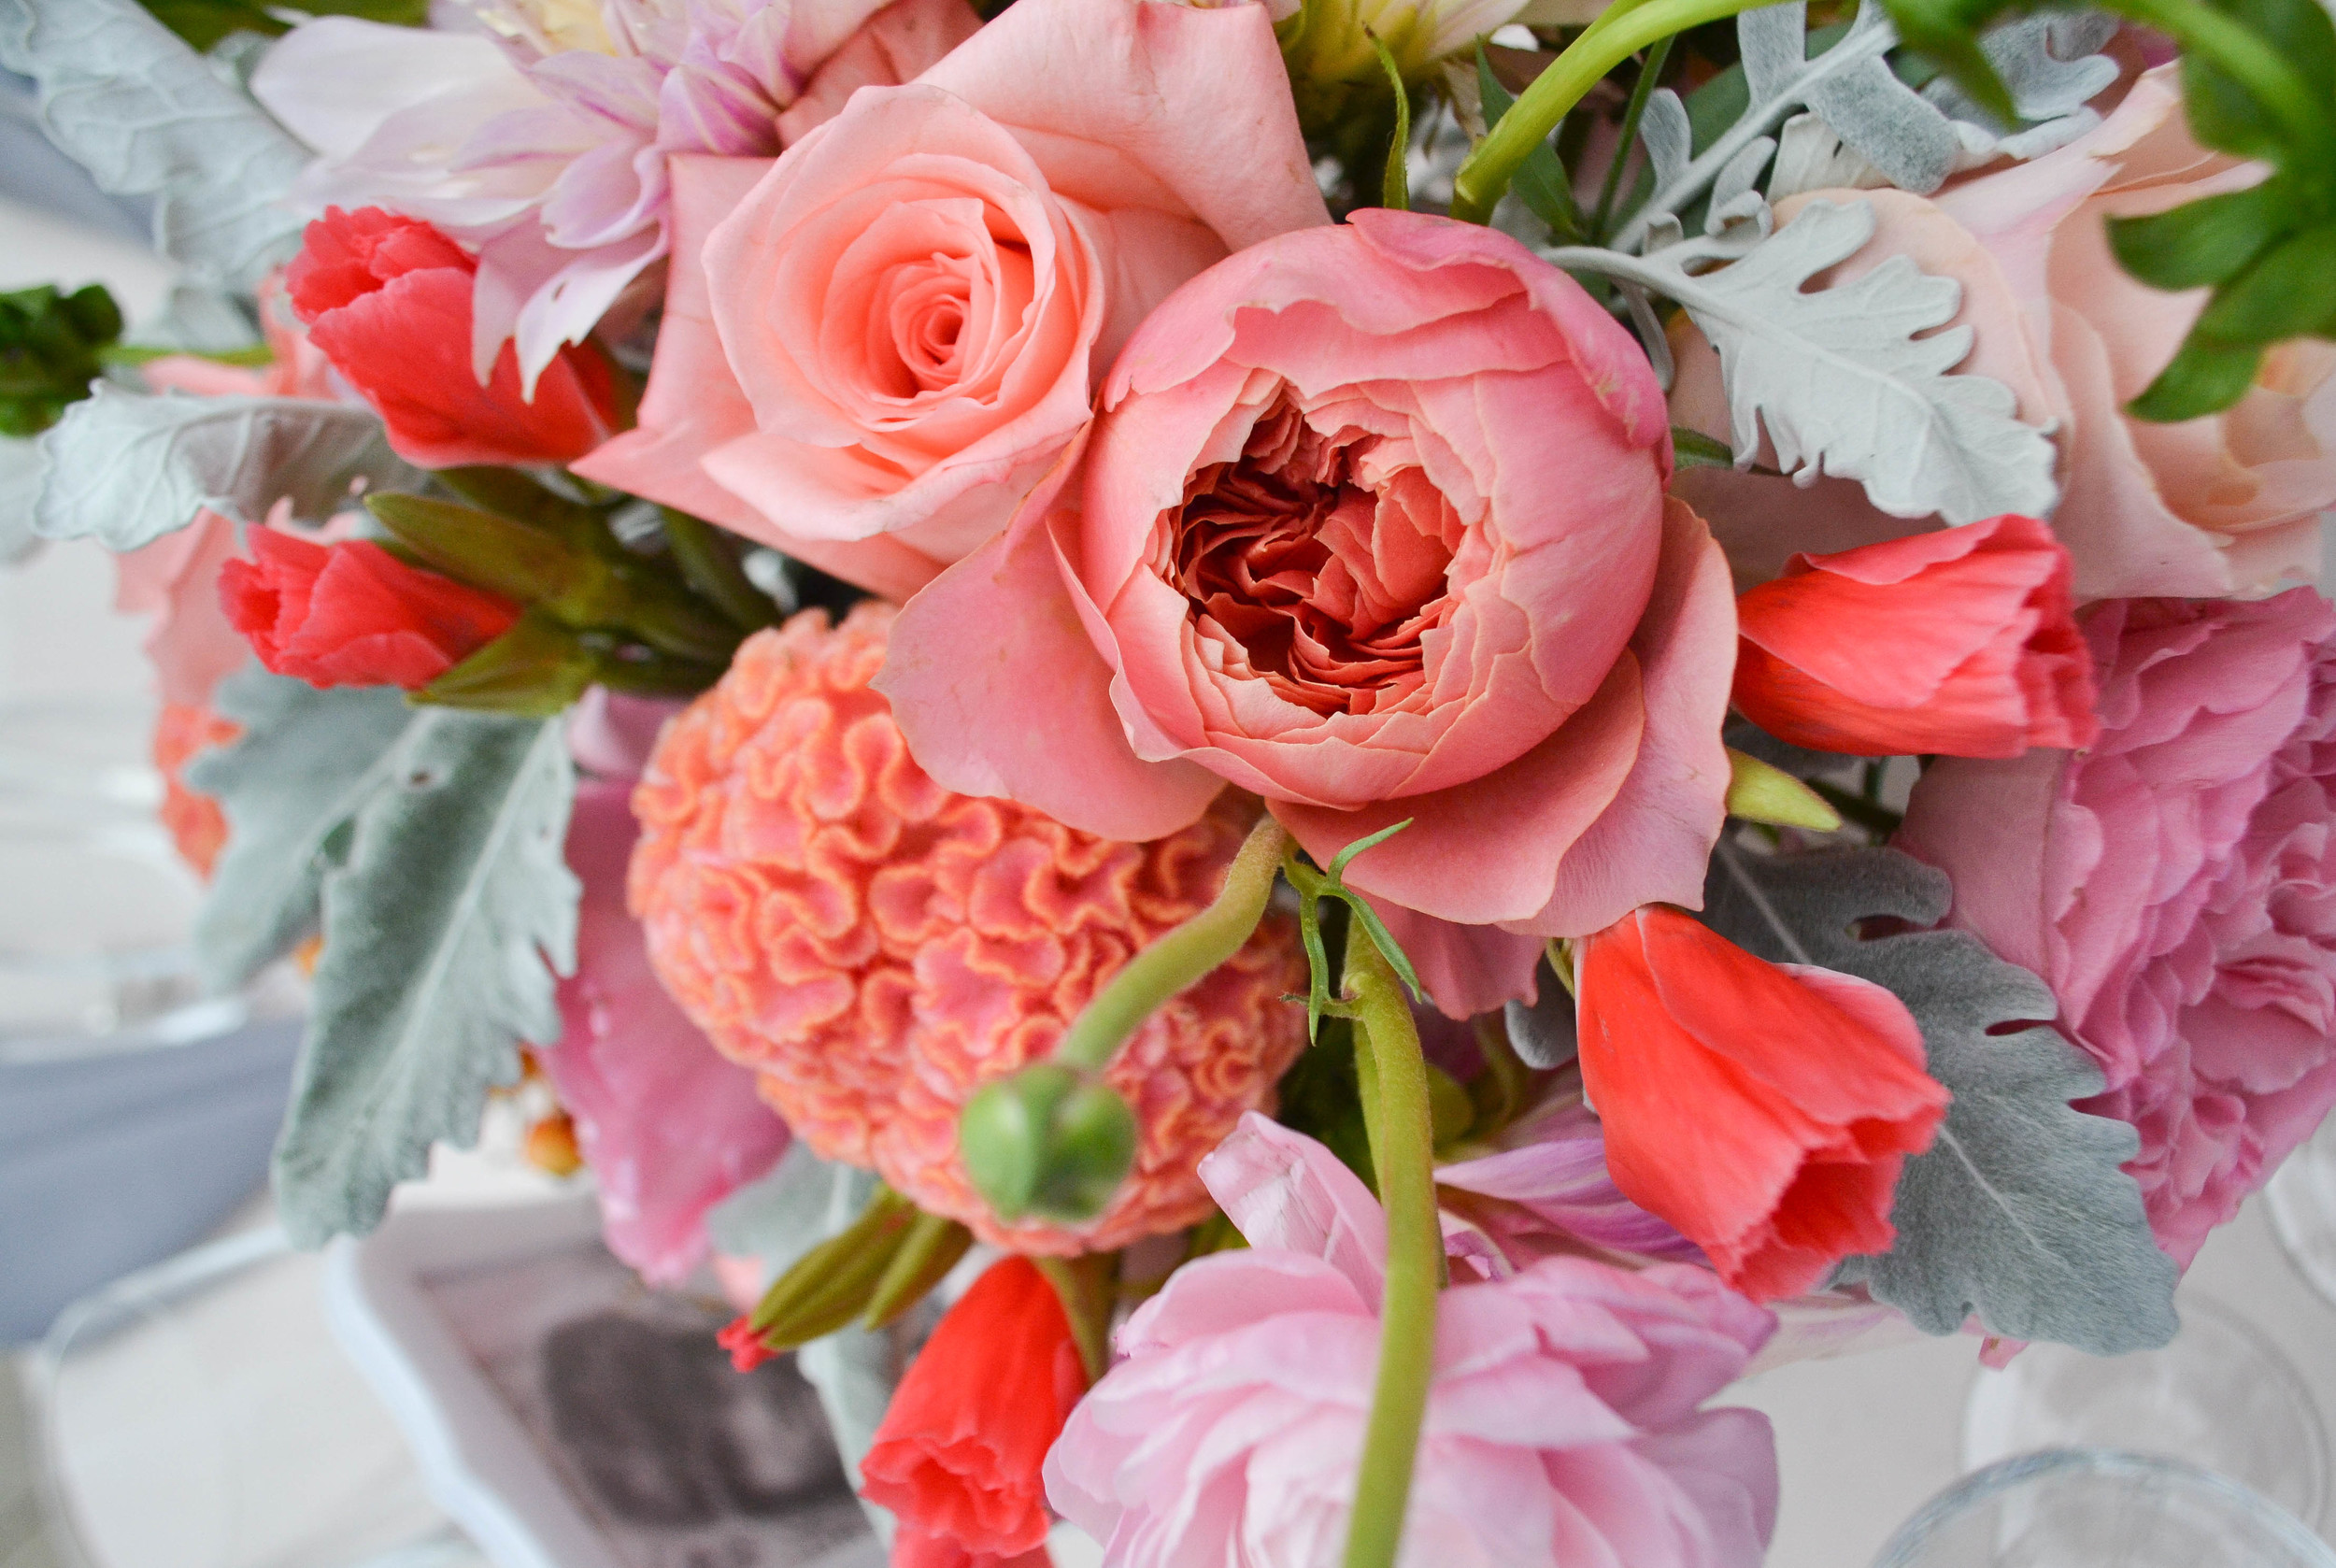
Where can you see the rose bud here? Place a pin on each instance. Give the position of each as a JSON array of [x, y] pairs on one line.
[[1799, 1091], [1961, 643], [352, 614], [956, 1458], [388, 300]]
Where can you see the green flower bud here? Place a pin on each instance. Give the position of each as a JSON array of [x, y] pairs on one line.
[[1048, 1141]]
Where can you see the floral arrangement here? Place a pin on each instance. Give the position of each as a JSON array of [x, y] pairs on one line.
[[1388, 730]]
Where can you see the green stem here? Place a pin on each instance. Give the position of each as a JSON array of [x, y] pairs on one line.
[[1614, 38], [1179, 957], [2242, 54], [1641, 91], [1393, 1077], [707, 565]]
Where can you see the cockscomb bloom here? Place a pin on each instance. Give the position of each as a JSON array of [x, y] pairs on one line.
[[388, 300], [1371, 523], [1961, 644], [544, 150], [197, 827], [1764, 1109], [2176, 885], [352, 614], [879, 947], [1562, 1425], [957, 1457]]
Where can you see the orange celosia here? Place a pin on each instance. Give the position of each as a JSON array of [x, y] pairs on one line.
[[956, 1458], [880, 948], [1763, 1109], [197, 826]]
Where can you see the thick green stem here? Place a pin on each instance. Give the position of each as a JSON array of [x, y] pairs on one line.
[[2241, 53], [1641, 91], [1179, 957], [1616, 36], [1393, 1077]]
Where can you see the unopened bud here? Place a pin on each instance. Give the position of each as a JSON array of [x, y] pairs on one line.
[[1048, 1141], [1760, 793]]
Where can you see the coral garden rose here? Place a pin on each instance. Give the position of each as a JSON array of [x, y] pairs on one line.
[[1800, 1092], [352, 614], [1373, 525], [880, 948], [388, 300], [872, 348], [2227, 504], [2176, 885], [1961, 643], [957, 1457], [1561, 1425]]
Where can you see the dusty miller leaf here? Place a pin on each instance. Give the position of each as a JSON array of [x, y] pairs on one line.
[[128, 469], [2019, 1213], [1839, 377], [147, 116], [449, 912], [306, 761], [19, 491], [2045, 61]]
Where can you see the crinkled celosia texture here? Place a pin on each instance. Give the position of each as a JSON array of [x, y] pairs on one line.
[[879, 947], [2177, 887], [1561, 1428]]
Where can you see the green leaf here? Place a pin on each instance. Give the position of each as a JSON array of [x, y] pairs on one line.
[[304, 764], [52, 347], [1692, 448], [2019, 1212], [2289, 292], [1395, 186], [2223, 113], [204, 22], [536, 670], [1946, 30], [2203, 242], [2203, 379], [1321, 1097], [126, 469], [1540, 182], [448, 912]]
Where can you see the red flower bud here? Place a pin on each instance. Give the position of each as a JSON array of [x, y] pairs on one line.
[[1961, 643], [1763, 1109], [352, 614], [388, 300], [746, 1346], [956, 1458]]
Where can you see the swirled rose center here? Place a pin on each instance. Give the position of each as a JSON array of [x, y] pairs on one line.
[[1323, 552]]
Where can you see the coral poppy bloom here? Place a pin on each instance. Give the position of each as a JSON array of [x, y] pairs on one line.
[[388, 302], [1764, 1109], [958, 1457], [352, 614], [1962, 643]]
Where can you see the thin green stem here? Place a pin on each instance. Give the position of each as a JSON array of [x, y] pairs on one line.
[[1179, 957], [1394, 1078], [1616, 36], [1641, 91], [707, 565]]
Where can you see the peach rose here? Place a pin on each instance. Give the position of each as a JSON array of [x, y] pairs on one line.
[[1372, 525], [2226, 504], [874, 346]]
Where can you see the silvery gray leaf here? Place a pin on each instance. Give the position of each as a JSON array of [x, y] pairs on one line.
[[854, 1371], [449, 912], [1542, 1032], [1810, 157], [146, 115], [19, 491], [1668, 138], [201, 321], [1736, 181], [2046, 63], [1888, 124], [127, 468], [305, 762], [2019, 1212]]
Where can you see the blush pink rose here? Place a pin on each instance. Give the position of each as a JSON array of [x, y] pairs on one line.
[[1373, 525], [2224, 504], [874, 346], [2176, 885], [1562, 1425]]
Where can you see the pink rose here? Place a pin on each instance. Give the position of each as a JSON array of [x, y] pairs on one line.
[[1561, 1427], [874, 346], [1372, 525], [2177, 887], [2211, 507]]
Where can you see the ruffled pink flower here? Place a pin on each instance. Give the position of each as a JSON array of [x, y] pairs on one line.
[[873, 348], [668, 1126], [1373, 525], [1563, 1427], [879, 947], [547, 155], [1547, 1190], [2176, 885]]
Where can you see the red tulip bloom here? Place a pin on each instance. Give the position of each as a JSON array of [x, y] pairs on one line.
[[388, 300], [352, 614], [1763, 1109], [1961, 643], [957, 1457]]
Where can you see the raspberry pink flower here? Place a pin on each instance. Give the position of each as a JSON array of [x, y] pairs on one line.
[[880, 948]]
